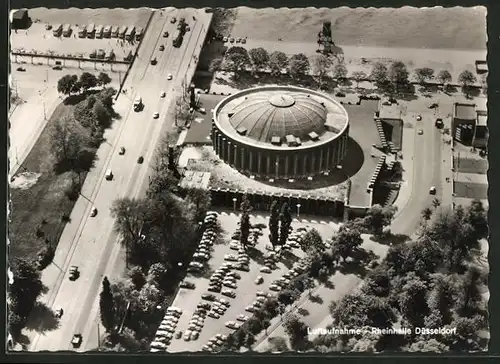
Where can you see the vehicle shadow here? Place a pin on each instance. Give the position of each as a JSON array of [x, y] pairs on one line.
[[42, 319], [288, 259], [256, 255]]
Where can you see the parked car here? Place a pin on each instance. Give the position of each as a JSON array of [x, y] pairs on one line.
[[154, 62], [93, 212], [432, 190], [420, 132], [259, 280], [250, 309], [419, 117], [208, 297], [74, 273], [59, 313], [242, 318], [188, 285], [233, 325], [173, 20], [439, 123], [77, 340], [122, 151], [21, 69], [228, 293]]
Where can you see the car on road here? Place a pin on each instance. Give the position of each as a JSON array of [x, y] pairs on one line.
[[188, 285], [243, 41], [163, 94], [21, 69], [208, 297], [169, 77], [59, 313], [93, 212], [173, 20], [74, 273], [140, 159], [154, 62], [433, 105], [109, 175], [162, 48], [77, 340], [156, 115], [259, 280], [187, 335], [439, 123], [233, 325], [166, 34], [122, 151], [419, 117], [265, 270], [231, 40], [432, 190], [420, 132], [57, 68]]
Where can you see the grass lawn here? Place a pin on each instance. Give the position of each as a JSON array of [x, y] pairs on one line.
[[45, 203]]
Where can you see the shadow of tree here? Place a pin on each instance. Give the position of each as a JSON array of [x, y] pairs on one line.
[[390, 239], [206, 272], [256, 255], [24, 341], [288, 258], [42, 319], [303, 312], [315, 298], [328, 284]]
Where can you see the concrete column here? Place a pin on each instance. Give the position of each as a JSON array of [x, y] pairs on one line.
[[219, 145], [328, 160], [277, 166], [235, 156], [304, 165], [313, 161], [286, 166], [224, 149], [321, 161], [268, 166], [242, 156], [295, 165], [259, 164], [229, 153], [250, 167]]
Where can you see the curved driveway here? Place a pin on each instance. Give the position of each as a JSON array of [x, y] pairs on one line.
[[90, 243]]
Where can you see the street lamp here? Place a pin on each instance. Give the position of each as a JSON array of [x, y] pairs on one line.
[[298, 211], [234, 204]]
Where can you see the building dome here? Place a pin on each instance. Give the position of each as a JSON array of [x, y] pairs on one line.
[[277, 113]]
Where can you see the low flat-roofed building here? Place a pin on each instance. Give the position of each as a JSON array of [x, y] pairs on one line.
[[195, 179], [470, 123]]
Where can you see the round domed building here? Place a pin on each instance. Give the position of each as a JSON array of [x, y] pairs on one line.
[[280, 132]]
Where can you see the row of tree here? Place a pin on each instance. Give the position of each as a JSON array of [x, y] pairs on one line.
[[72, 84], [430, 282]]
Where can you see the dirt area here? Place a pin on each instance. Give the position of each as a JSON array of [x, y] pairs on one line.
[[438, 28], [40, 40], [224, 176]]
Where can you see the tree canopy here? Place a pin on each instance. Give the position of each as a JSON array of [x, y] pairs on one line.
[[298, 65], [278, 61], [259, 58]]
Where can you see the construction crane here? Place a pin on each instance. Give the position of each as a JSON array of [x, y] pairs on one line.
[[325, 41]]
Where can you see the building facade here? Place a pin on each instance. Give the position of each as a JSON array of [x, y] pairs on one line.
[[280, 132]]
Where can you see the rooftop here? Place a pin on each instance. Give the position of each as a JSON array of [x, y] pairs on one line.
[[465, 111], [482, 118], [390, 112], [272, 116], [195, 179]]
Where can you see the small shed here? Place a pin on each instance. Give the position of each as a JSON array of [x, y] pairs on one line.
[[20, 19]]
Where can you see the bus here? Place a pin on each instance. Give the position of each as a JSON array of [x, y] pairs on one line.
[[138, 34], [177, 39], [82, 32], [90, 30], [66, 31], [98, 31], [107, 31], [121, 32], [129, 35], [57, 30]]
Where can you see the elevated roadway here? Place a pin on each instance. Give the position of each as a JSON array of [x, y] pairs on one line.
[[89, 242]]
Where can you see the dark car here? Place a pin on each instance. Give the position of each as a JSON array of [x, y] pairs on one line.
[[154, 62], [140, 159], [162, 48], [208, 297], [439, 123], [77, 340], [74, 273], [166, 34], [21, 69], [57, 68]]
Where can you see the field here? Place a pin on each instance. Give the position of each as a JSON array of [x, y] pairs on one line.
[[40, 200], [407, 27]]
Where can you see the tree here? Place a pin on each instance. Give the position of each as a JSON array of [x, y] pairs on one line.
[[466, 79], [322, 65], [149, 297], [103, 79], [67, 84], [441, 298], [379, 74], [346, 242], [378, 217], [249, 340], [296, 330], [378, 282], [157, 274], [274, 223], [67, 140], [215, 65], [424, 74], [245, 207], [107, 306], [88, 80], [285, 223], [398, 75], [26, 288], [426, 214], [137, 277], [359, 76], [101, 114], [312, 240], [445, 78], [476, 216], [236, 59], [298, 65], [277, 62], [278, 343], [339, 72], [412, 300], [200, 200], [436, 203], [259, 58], [428, 346]]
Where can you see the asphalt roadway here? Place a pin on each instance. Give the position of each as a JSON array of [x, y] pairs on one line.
[[90, 243]]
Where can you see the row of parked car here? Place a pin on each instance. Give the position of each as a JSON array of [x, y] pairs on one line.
[[203, 252], [166, 330]]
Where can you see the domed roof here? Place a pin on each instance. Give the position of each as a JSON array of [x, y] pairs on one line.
[[277, 113]]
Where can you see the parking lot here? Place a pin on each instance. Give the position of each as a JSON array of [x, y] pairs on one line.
[[246, 287]]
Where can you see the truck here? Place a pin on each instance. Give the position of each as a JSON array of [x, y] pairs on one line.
[[107, 31], [99, 31], [138, 105], [57, 30], [138, 34], [177, 39], [82, 32], [66, 31], [129, 35], [90, 30], [122, 31]]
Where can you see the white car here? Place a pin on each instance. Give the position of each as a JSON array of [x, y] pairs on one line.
[[93, 212], [265, 270], [233, 325], [261, 294], [274, 287], [250, 309], [187, 335], [242, 318], [169, 77], [420, 131], [224, 302], [163, 94], [156, 115], [259, 280], [234, 246]]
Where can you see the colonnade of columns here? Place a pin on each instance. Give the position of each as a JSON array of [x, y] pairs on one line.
[[289, 164]]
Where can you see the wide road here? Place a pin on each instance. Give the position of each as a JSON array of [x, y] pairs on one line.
[[426, 173], [90, 243]]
